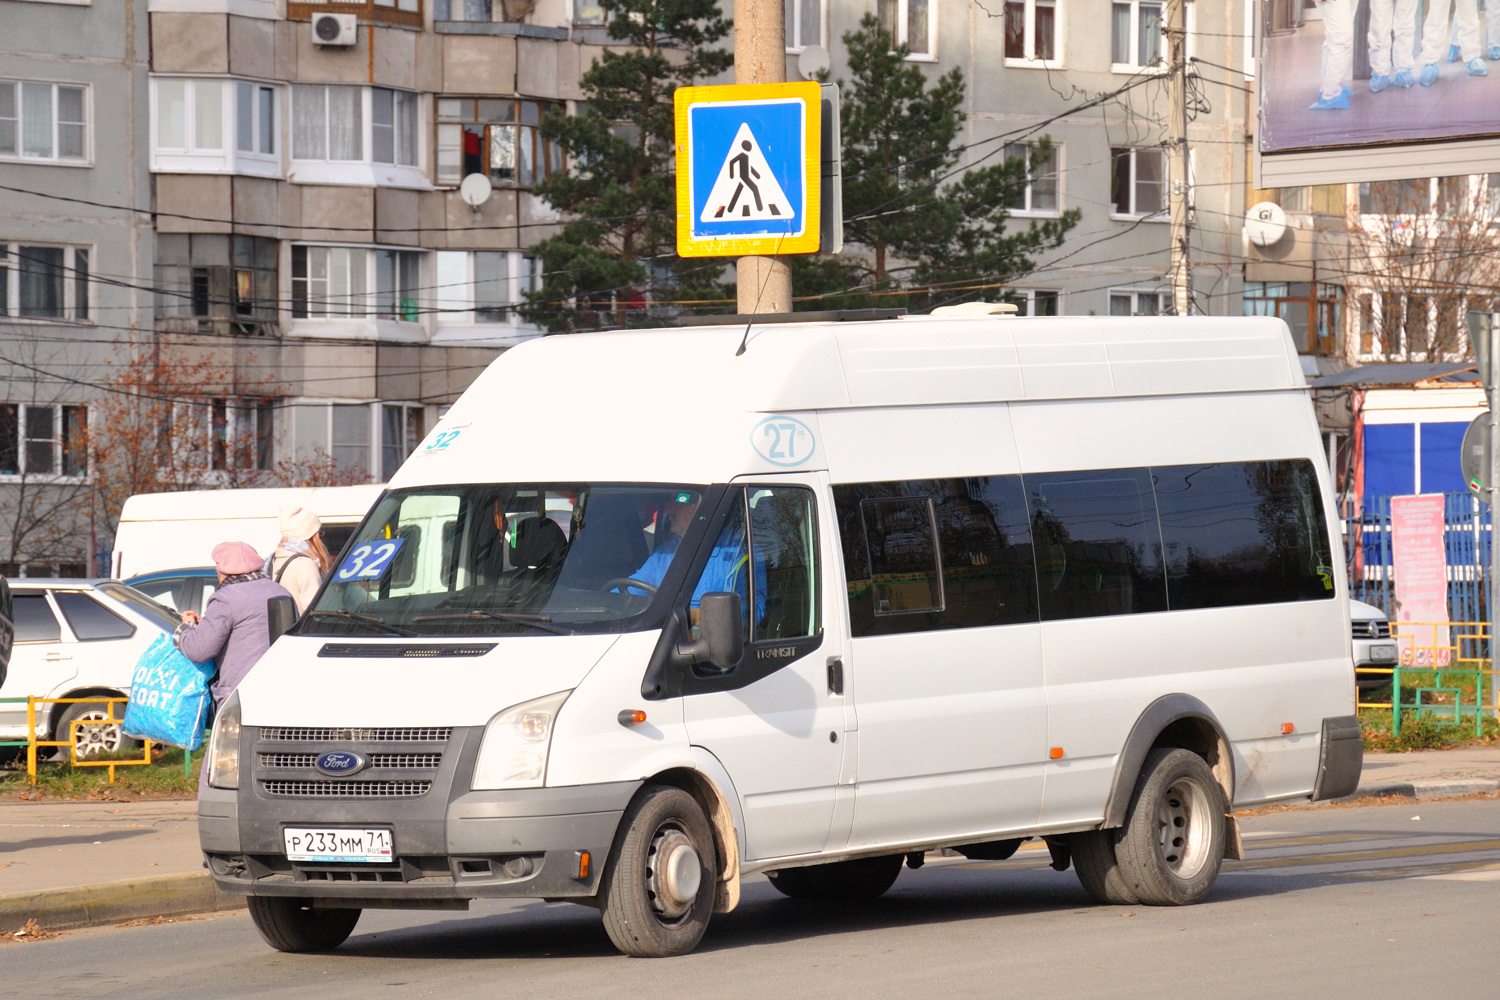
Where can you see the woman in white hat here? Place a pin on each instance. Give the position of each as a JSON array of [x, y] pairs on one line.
[[301, 560]]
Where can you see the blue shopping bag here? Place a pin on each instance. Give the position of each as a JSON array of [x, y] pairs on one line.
[[168, 697]]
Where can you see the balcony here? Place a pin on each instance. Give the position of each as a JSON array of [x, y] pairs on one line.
[[403, 12]]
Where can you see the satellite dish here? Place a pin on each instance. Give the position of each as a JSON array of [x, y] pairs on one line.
[[1265, 223], [813, 60], [475, 190]]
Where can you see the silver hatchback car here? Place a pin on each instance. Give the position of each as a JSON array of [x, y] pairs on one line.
[[1373, 645]]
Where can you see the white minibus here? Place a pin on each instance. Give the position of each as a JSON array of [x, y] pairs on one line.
[[810, 609]]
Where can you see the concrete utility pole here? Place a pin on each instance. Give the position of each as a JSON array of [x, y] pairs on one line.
[[1177, 170], [1492, 393], [765, 283]]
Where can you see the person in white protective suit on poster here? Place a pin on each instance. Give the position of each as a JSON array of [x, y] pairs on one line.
[[1338, 55], [1492, 28], [1392, 39], [1464, 19]]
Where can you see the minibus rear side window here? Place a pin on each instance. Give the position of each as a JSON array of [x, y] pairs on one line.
[[1239, 533], [1098, 546]]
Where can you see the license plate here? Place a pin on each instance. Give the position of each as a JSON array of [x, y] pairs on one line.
[[337, 844], [1383, 653]]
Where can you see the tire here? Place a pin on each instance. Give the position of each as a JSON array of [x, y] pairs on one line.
[[1172, 844], [650, 904], [1099, 871], [293, 925], [93, 741], [793, 882], [842, 881]]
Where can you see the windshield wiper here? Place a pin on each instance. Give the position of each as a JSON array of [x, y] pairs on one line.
[[365, 619], [540, 622]]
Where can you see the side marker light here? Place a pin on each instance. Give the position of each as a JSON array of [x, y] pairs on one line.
[[583, 864], [1287, 729], [632, 717], [1057, 753]]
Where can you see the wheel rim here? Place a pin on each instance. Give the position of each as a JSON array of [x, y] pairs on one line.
[[674, 873], [1184, 828], [94, 739]]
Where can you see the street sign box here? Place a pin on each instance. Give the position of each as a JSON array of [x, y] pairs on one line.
[[1474, 457], [748, 169]]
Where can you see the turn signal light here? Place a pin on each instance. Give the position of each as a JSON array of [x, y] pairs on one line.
[[632, 717], [1057, 753], [1287, 729], [583, 864]]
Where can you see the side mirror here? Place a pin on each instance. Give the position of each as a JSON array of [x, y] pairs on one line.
[[281, 615], [721, 640]]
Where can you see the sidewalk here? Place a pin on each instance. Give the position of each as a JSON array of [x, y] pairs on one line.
[[83, 864]]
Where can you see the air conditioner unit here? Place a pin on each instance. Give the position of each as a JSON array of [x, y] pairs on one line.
[[335, 29]]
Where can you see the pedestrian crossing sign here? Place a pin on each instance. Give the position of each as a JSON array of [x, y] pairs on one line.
[[748, 162]]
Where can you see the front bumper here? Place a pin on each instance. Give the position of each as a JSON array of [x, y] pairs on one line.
[[449, 843]]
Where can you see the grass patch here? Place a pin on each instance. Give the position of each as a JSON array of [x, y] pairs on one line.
[[1426, 733], [163, 778]]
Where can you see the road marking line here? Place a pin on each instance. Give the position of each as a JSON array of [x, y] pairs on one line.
[[1462, 847]]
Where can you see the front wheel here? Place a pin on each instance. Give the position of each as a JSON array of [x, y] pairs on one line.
[[1172, 844], [295, 925], [658, 891]]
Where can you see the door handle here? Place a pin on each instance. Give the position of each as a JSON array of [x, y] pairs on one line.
[[54, 657], [835, 675]]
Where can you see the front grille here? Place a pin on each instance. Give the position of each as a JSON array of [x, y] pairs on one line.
[[1372, 629], [331, 734], [346, 789], [399, 761]]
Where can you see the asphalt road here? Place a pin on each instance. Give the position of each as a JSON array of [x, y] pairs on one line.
[[1368, 902]]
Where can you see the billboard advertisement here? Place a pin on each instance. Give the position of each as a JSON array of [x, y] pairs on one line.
[[1356, 90]]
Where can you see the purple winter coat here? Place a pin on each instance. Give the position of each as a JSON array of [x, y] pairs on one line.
[[234, 632]]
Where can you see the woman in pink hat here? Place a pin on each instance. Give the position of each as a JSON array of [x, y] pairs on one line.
[[232, 631], [300, 561]]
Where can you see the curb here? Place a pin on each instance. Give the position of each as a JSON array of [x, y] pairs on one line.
[[1424, 789], [115, 902]]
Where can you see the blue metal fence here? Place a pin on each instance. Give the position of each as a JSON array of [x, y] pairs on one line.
[[1466, 540]]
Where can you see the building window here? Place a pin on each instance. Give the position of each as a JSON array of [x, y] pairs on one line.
[[335, 282], [402, 428], [495, 137], [1427, 196], [1137, 181], [804, 24], [1410, 326], [255, 118], [1031, 302], [327, 122], [213, 125], [190, 115], [44, 282], [1313, 320], [483, 286], [1040, 196], [912, 23], [216, 284], [586, 12], [1129, 302], [1135, 39], [1033, 33], [43, 439], [462, 10], [393, 126], [44, 121], [407, 12]]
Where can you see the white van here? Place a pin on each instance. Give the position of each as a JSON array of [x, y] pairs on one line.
[[865, 590], [168, 531]]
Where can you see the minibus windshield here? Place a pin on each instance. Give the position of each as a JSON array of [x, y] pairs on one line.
[[503, 559]]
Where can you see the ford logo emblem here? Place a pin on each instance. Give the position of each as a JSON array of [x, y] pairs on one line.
[[340, 762]]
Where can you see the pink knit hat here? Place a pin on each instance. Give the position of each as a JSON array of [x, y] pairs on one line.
[[233, 558]]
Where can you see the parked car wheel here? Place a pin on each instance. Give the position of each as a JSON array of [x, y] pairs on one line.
[[294, 925], [658, 890], [1172, 844], [94, 740]]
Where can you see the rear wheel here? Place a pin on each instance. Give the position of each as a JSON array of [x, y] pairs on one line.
[[1172, 844], [1098, 869], [93, 740], [294, 925], [658, 891]]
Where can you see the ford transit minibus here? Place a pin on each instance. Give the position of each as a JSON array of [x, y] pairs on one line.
[[860, 591]]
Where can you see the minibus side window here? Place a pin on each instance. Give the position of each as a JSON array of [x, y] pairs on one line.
[[1098, 545], [1240, 533], [784, 543], [975, 556]]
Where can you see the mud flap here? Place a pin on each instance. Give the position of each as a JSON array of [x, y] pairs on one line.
[[1234, 846]]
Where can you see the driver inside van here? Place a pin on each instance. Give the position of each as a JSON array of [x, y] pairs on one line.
[[728, 563]]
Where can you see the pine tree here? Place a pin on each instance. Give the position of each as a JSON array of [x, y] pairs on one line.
[[619, 190], [915, 222]]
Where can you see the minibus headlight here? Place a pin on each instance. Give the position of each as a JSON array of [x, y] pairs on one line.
[[513, 753], [224, 748]]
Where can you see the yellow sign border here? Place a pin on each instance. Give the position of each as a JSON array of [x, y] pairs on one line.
[[811, 94]]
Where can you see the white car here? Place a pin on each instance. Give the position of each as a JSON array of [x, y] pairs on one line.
[[1373, 645], [76, 638]]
